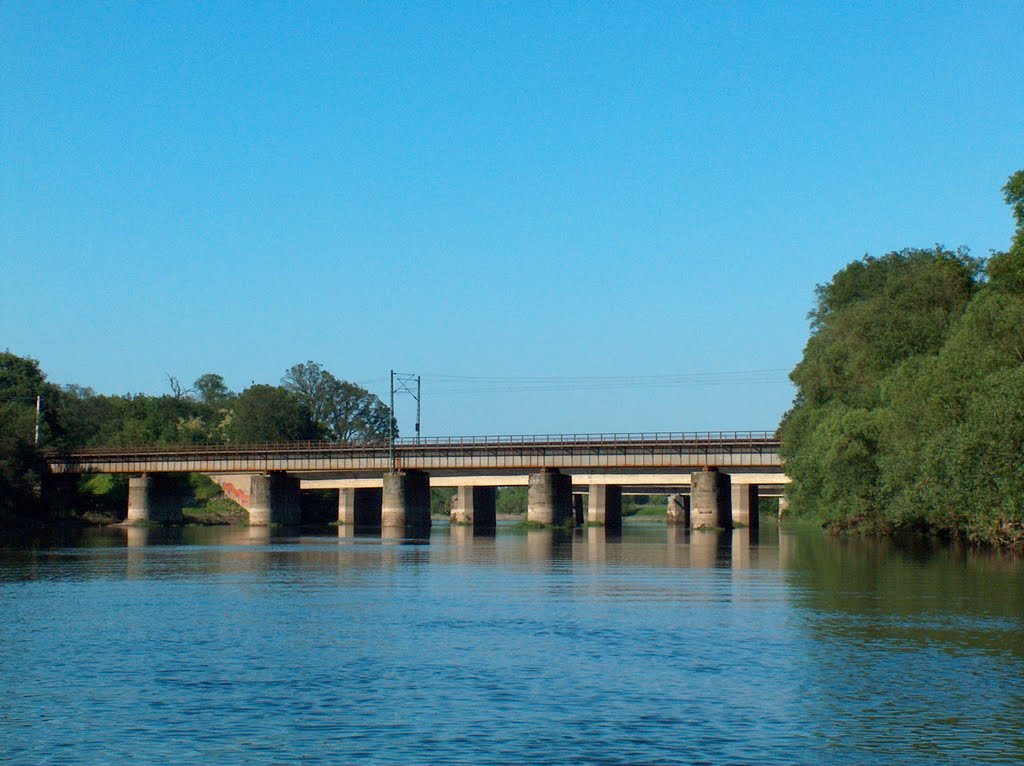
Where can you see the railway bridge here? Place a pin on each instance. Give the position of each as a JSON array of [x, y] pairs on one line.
[[713, 478]]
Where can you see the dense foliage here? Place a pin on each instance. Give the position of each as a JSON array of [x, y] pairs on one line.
[[21, 381], [909, 413], [207, 413], [341, 411]]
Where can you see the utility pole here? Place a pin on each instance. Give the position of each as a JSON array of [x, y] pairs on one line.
[[401, 383], [391, 426], [39, 417]]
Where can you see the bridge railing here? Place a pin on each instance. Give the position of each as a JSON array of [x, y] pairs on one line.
[[218, 449], [591, 438], [688, 438]]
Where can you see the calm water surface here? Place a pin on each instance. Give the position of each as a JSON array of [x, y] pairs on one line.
[[235, 646]]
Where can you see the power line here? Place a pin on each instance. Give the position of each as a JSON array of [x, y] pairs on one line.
[[476, 384], [629, 378]]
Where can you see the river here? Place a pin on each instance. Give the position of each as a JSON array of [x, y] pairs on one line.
[[235, 645]]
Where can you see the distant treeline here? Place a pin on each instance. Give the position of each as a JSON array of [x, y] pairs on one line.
[[310, 403], [909, 413]]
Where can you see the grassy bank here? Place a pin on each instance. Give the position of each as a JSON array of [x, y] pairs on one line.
[[103, 499]]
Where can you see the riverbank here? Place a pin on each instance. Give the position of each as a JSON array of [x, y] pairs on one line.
[[1002, 535]]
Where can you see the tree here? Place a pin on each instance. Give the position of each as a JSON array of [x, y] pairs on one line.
[[83, 416], [874, 316], [342, 411], [314, 386], [264, 413], [877, 312], [1006, 270], [21, 465], [20, 377], [909, 413], [356, 415], [1013, 193], [179, 391], [211, 389], [21, 381], [511, 500]]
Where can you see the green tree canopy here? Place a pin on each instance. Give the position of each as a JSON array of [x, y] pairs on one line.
[[211, 389], [877, 312], [909, 413], [21, 381], [342, 411], [1006, 270], [264, 413], [20, 378]]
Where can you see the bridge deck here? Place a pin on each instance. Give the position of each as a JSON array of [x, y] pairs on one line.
[[510, 454]]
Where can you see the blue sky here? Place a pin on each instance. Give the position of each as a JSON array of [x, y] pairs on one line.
[[540, 208]]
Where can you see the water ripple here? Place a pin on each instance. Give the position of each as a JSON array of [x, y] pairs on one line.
[[508, 649]]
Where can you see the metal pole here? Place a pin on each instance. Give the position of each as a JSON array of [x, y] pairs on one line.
[[417, 408], [39, 416], [391, 426]]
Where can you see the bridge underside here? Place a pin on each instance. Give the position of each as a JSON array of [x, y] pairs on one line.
[[639, 483], [555, 496]]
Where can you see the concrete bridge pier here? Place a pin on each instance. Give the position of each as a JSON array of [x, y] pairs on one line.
[[578, 516], [475, 507], [359, 507], [678, 512], [604, 505], [549, 498], [710, 499], [783, 505], [274, 500], [154, 498], [406, 501], [745, 499]]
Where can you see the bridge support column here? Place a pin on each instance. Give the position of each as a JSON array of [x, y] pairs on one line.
[[274, 500], [744, 505], [710, 502], [406, 501], [604, 505], [783, 505], [475, 506], [678, 511], [154, 498], [359, 507], [549, 498]]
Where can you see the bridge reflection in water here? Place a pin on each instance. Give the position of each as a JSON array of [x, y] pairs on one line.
[[240, 549]]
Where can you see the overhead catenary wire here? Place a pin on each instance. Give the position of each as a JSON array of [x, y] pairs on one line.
[[452, 384], [456, 385]]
